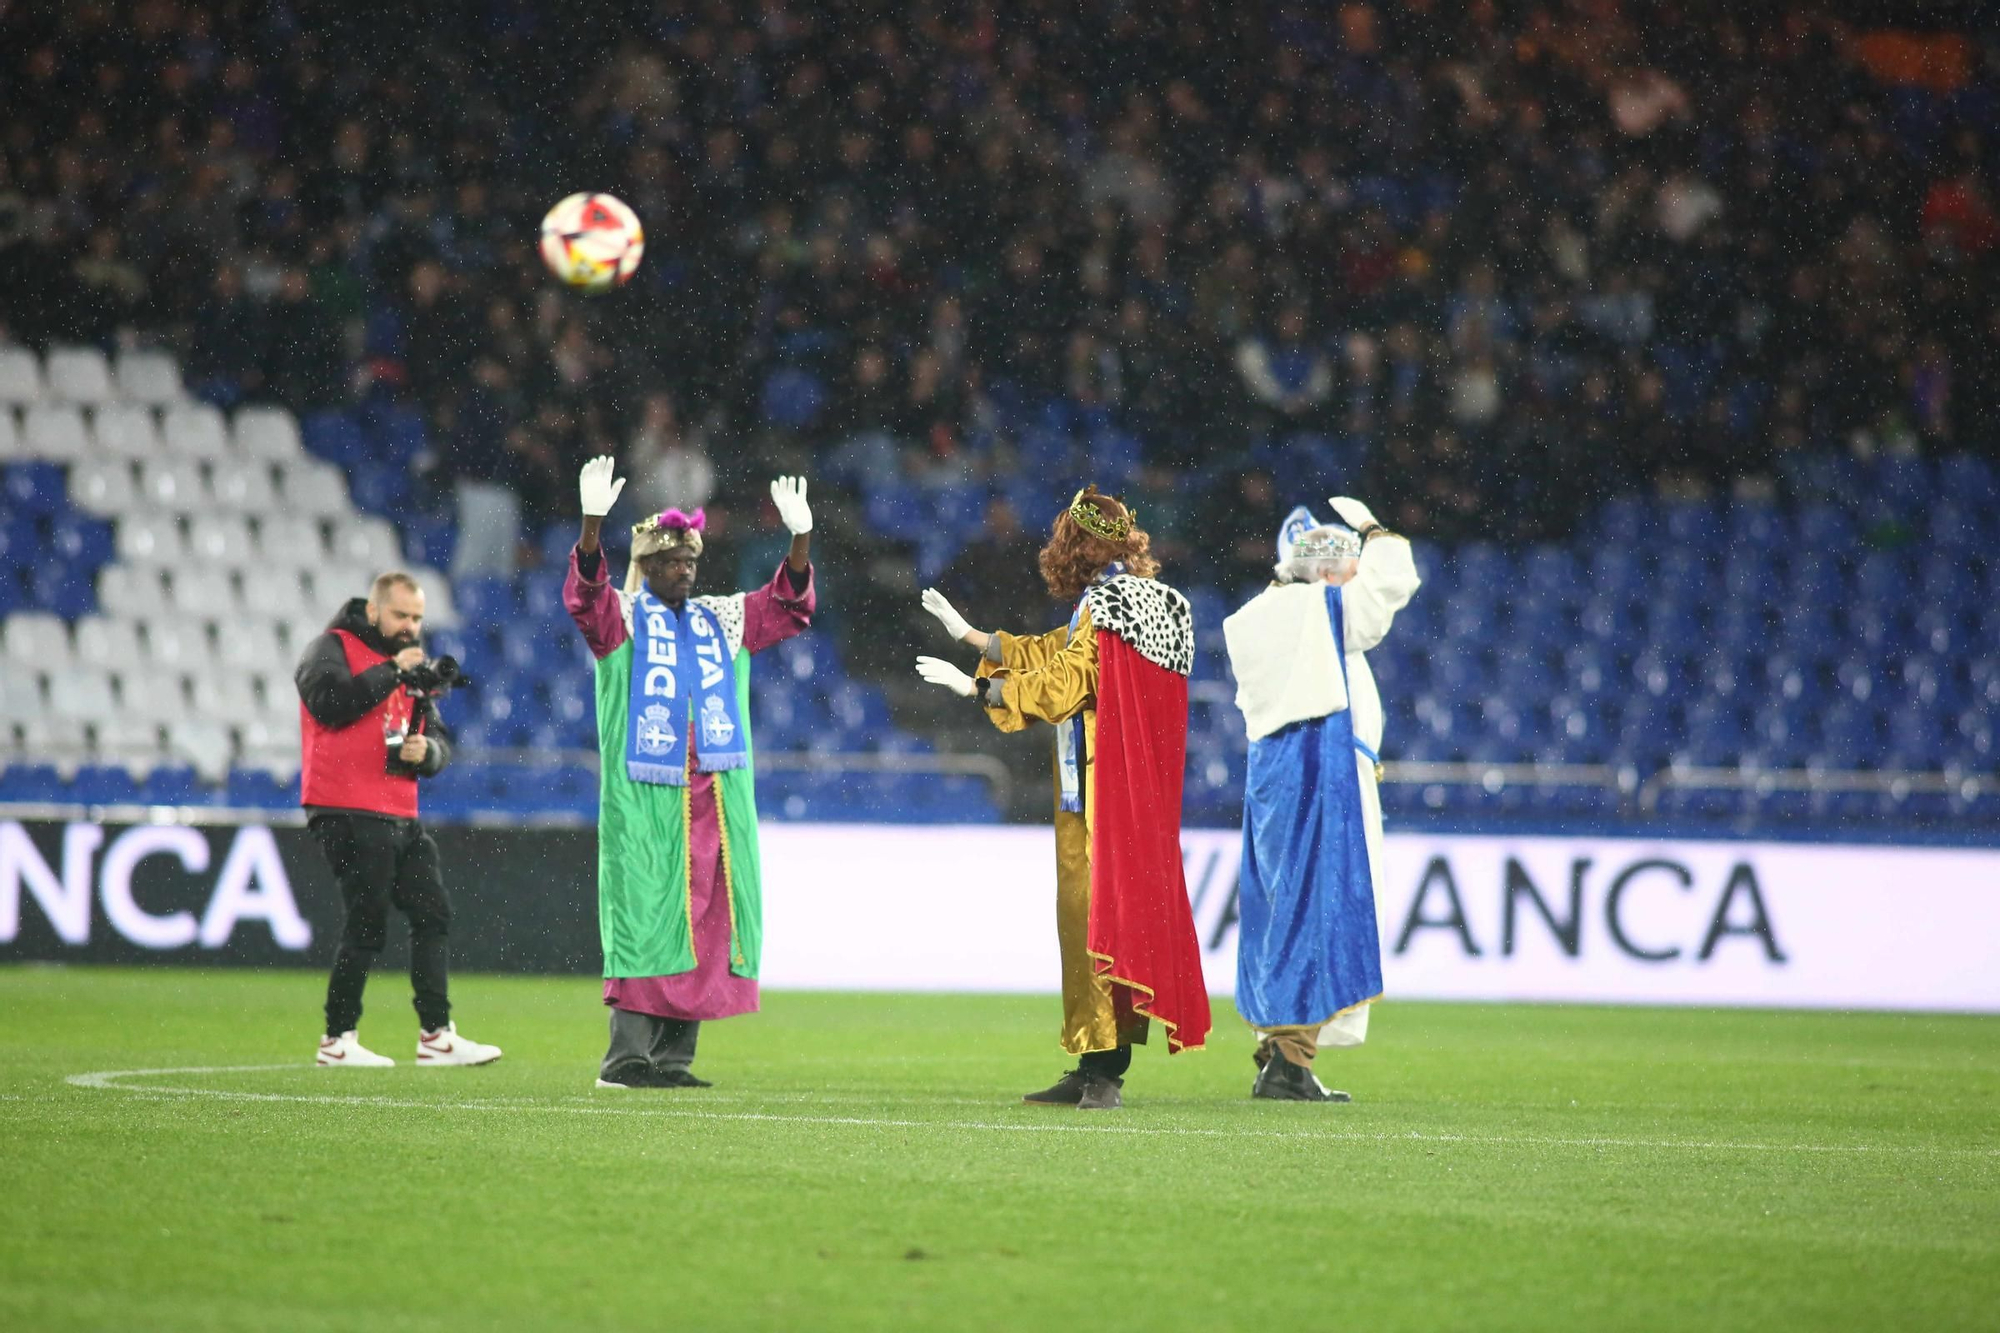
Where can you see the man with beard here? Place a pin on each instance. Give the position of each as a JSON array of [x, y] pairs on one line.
[[365, 741]]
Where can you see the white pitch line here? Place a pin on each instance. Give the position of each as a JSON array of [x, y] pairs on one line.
[[112, 1080]]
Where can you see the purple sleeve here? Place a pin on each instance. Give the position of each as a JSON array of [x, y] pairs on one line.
[[775, 613], [594, 606]]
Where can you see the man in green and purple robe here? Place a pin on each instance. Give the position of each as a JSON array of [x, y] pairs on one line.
[[679, 887]]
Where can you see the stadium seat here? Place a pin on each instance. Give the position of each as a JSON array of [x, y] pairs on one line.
[[20, 376], [148, 538], [174, 485], [83, 693], [104, 486], [266, 434], [205, 743], [276, 592], [121, 430], [54, 432], [77, 375], [203, 592], [36, 641], [313, 488], [152, 378], [195, 431], [244, 486]]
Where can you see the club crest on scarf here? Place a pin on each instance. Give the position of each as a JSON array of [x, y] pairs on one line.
[[681, 661]]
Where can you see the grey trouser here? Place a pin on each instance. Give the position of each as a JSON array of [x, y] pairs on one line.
[[664, 1043]]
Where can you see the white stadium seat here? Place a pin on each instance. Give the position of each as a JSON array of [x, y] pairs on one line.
[[290, 540], [148, 377], [229, 693], [20, 698], [299, 631], [332, 585], [156, 693], [55, 433], [243, 485], [195, 431], [221, 539], [130, 591], [274, 592], [38, 641], [127, 738], [177, 643], [175, 485], [103, 486], [20, 376], [367, 541], [102, 641], [48, 739], [11, 445], [203, 593], [310, 486], [254, 644], [269, 433], [151, 539], [205, 743], [84, 693], [78, 375], [126, 430]]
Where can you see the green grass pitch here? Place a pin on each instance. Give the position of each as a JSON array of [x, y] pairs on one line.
[[863, 1163]]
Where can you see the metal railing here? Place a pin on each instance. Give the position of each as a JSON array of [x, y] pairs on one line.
[[1893, 782]]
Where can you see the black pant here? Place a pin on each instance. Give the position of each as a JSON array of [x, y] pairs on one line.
[[379, 860], [1107, 1064]]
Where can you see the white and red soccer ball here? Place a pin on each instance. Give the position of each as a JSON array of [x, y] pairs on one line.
[[592, 241]]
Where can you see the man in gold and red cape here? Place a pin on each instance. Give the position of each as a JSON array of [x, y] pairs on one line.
[[1113, 683]]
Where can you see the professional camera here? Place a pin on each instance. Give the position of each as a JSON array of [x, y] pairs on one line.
[[432, 678]]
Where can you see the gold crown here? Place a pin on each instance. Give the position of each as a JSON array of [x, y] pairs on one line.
[[1092, 520], [650, 538]]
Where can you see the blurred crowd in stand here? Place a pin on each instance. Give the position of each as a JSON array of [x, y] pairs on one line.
[[1486, 263]]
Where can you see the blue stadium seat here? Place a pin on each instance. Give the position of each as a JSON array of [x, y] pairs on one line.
[[34, 488], [104, 785]]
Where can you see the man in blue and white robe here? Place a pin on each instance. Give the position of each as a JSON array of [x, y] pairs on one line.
[[1309, 961]]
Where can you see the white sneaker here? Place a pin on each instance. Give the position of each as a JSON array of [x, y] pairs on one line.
[[344, 1050], [446, 1047]]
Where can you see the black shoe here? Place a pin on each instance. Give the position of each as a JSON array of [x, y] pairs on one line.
[[632, 1074], [678, 1078], [1283, 1081], [1101, 1094], [1261, 1056], [1068, 1090]]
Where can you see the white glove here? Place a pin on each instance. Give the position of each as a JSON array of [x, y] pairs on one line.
[[789, 494], [940, 672], [954, 623], [1352, 512], [597, 488]]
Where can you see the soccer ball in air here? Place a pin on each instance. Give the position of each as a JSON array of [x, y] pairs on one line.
[[592, 241]]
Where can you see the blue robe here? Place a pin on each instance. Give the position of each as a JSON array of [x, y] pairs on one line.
[[1307, 946]]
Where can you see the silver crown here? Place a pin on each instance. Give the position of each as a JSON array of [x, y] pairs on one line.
[[1327, 544]]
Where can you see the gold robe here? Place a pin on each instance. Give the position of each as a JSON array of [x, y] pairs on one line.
[[1052, 678]]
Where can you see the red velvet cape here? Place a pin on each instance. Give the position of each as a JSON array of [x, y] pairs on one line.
[[1141, 929]]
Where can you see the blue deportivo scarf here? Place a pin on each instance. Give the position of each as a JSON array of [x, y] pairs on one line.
[[1069, 736], [680, 661]]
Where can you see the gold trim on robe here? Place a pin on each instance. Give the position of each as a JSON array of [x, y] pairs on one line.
[[1052, 678]]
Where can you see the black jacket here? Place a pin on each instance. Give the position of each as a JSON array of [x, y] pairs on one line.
[[337, 697]]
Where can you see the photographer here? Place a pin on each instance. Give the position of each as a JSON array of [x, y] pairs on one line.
[[369, 730]]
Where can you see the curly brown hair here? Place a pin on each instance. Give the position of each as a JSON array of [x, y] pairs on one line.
[[1073, 556]]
